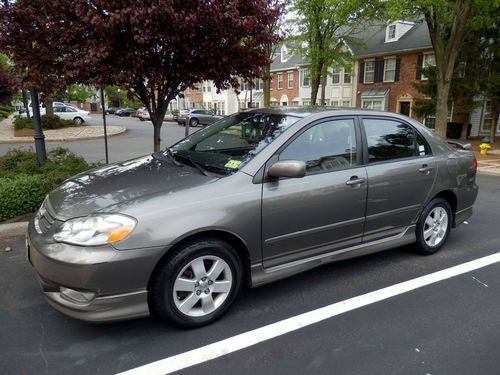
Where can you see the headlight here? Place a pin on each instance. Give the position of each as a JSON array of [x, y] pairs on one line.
[[95, 230]]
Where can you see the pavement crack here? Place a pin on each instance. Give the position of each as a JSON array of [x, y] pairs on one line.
[[480, 282], [40, 347]]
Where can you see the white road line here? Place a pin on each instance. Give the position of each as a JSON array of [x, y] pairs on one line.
[[247, 339]]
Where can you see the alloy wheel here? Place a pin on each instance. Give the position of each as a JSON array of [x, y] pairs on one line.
[[435, 226], [202, 286]]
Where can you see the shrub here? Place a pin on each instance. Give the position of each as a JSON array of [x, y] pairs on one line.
[[48, 122], [20, 195], [23, 123], [4, 113], [23, 184]]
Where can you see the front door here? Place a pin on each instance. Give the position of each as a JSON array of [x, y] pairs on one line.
[[324, 210], [401, 172], [404, 108]]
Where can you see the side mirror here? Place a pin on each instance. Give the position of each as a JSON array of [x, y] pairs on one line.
[[287, 168]]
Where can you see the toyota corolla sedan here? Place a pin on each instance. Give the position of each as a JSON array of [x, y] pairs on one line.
[[255, 197]]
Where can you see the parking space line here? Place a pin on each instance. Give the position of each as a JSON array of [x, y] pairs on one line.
[[253, 337]]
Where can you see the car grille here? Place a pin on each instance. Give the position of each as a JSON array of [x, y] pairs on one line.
[[44, 220]]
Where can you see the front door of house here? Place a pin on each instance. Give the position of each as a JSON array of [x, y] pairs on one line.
[[404, 108]]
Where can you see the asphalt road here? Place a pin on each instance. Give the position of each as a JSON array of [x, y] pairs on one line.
[[137, 141], [449, 327]]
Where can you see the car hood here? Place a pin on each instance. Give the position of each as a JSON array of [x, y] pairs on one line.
[[102, 188]]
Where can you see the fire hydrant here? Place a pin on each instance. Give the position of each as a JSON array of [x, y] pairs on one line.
[[483, 148]]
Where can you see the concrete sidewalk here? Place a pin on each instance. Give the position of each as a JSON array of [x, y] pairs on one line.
[[53, 135], [489, 166]]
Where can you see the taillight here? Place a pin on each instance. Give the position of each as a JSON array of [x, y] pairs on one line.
[[474, 164]]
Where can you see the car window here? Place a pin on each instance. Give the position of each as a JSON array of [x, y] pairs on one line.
[[58, 109], [323, 147], [392, 139], [69, 109]]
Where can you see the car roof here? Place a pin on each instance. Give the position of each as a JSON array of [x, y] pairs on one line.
[[306, 111]]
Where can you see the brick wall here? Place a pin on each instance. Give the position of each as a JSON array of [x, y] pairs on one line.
[[403, 87], [290, 93]]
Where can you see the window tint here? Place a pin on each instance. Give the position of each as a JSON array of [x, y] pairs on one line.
[[58, 109], [389, 139], [326, 146]]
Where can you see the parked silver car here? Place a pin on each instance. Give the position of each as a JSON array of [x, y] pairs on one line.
[[256, 197], [195, 117]]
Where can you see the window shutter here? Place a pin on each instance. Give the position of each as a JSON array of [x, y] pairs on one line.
[[420, 61], [398, 68], [361, 72], [379, 71]]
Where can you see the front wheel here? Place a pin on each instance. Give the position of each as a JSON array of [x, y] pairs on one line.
[[78, 120], [198, 284], [433, 226], [193, 122]]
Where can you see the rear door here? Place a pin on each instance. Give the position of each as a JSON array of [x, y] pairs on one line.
[[401, 172], [324, 210]]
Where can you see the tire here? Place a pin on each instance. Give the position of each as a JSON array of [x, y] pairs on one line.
[[140, 118], [193, 122], [433, 226], [78, 120], [188, 300]]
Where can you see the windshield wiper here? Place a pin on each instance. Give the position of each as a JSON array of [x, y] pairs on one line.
[[194, 163], [172, 158]]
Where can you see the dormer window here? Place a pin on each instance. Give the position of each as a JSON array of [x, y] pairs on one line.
[[395, 30], [391, 32]]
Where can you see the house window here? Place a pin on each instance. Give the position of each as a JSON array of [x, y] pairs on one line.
[[335, 75], [430, 120], [487, 117], [335, 103], [391, 32], [346, 103], [306, 102], [305, 77], [389, 70], [428, 60], [280, 81], [369, 72], [290, 80], [373, 103], [295, 103], [271, 82], [347, 76]]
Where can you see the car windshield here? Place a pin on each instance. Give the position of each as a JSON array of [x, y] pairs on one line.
[[230, 143]]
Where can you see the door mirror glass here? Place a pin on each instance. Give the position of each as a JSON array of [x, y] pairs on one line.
[[287, 168]]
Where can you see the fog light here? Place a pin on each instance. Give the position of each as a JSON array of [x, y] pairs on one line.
[[77, 296]]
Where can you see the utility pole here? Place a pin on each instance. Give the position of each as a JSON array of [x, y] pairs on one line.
[[41, 154], [104, 122]]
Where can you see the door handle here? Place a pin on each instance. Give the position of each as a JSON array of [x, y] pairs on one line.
[[354, 180], [425, 169]]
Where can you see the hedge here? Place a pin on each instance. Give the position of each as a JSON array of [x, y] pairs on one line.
[[23, 184], [21, 194], [48, 122]]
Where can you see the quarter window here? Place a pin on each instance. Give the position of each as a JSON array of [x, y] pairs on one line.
[[327, 146], [389, 139]]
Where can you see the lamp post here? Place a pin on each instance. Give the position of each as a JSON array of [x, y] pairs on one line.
[[38, 134]]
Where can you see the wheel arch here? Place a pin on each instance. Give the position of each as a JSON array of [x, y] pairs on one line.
[[451, 198]]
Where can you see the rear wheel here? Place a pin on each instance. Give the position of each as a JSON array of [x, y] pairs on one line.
[[198, 284], [433, 226]]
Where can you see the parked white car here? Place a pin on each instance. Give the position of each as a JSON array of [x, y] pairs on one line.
[[69, 113]]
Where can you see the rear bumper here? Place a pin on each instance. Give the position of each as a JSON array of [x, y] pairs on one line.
[[117, 278], [462, 216]]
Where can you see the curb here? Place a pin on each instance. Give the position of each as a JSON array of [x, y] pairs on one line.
[[13, 229], [23, 141]]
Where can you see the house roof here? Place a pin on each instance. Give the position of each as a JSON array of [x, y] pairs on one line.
[[372, 41], [291, 63]]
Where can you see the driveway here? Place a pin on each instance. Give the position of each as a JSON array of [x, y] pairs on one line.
[[450, 326]]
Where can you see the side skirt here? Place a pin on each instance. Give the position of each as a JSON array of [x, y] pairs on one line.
[[261, 275]]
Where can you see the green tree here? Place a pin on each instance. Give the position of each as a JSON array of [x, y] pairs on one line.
[[77, 93], [450, 23], [322, 27]]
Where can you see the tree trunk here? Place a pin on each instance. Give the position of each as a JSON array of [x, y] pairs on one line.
[[323, 88], [314, 89], [156, 134], [443, 90], [49, 108], [267, 85]]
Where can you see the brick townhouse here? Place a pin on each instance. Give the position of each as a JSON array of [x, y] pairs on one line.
[[389, 64]]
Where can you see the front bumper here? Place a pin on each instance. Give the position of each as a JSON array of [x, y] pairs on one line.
[[119, 278]]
